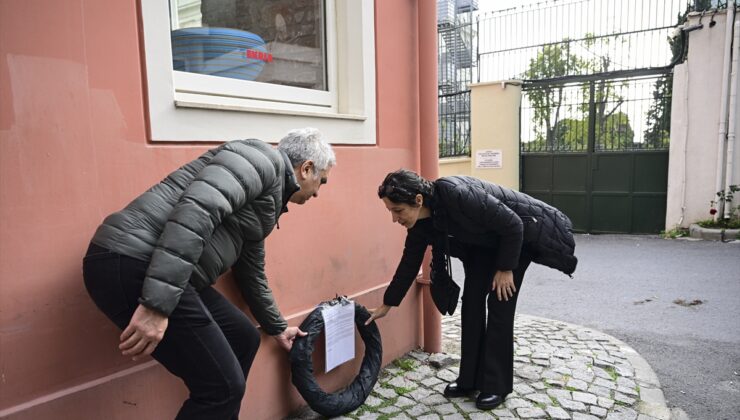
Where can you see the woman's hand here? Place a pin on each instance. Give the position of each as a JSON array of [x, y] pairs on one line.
[[503, 285], [143, 333], [377, 313], [287, 337]]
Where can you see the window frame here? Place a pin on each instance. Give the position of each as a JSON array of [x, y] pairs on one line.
[[186, 106]]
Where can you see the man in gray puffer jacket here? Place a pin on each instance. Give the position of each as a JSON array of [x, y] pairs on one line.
[[150, 266]]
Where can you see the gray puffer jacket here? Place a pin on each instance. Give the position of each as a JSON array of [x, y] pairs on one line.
[[206, 217]]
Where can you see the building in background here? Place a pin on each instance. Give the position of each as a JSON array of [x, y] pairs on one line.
[[457, 61]]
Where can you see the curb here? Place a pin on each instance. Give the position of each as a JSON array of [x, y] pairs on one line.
[[713, 234]]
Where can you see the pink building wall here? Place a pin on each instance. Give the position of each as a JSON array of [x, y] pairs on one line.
[[74, 147]]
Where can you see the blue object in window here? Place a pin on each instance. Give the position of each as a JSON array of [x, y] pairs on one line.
[[221, 52]]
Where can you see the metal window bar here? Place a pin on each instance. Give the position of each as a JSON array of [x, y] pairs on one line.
[[454, 124]]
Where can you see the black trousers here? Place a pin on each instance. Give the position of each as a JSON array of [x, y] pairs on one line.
[[209, 343], [487, 359]]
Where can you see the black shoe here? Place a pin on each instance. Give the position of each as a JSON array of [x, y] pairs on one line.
[[488, 401], [453, 390]]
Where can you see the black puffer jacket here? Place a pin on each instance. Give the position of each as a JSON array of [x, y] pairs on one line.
[[206, 217], [480, 212], [475, 212]]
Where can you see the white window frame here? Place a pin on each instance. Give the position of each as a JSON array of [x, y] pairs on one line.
[[194, 107]]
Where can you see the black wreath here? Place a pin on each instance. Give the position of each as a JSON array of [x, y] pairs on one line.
[[351, 397]]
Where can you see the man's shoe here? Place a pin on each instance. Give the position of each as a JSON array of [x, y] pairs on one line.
[[488, 401], [453, 390]]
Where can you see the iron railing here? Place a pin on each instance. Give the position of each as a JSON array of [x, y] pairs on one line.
[[599, 115], [552, 39], [456, 66], [454, 124], [572, 45]]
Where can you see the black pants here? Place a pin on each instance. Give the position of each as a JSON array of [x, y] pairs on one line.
[[209, 343], [487, 360]]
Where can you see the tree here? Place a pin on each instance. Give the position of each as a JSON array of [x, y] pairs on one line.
[[615, 133], [553, 61], [606, 95], [555, 131], [572, 134]]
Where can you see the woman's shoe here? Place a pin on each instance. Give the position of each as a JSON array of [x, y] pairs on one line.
[[488, 401], [453, 390]]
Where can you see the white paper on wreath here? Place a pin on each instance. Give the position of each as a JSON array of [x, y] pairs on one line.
[[339, 330]]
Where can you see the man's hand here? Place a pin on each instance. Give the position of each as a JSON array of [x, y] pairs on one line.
[[143, 333], [378, 312], [503, 285], [287, 337]]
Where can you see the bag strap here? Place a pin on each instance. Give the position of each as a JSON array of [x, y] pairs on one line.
[[441, 255]]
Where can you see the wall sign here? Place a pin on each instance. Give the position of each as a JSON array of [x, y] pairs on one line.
[[488, 159]]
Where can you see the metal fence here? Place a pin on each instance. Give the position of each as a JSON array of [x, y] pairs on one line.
[[572, 44], [457, 60], [598, 115], [552, 39], [454, 124]]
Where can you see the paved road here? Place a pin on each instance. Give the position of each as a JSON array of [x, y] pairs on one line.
[[627, 286]]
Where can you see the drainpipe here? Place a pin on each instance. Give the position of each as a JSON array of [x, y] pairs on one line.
[[428, 150], [685, 146], [722, 135], [730, 157]]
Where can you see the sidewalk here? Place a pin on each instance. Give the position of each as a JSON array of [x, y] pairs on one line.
[[561, 371]]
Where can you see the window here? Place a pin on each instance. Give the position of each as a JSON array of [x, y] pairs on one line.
[[227, 69], [239, 42]]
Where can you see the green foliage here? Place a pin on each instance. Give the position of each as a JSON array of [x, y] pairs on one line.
[[659, 114], [612, 372], [553, 61], [676, 232], [572, 134], [615, 132], [405, 364], [720, 223], [723, 199], [557, 124], [400, 390]]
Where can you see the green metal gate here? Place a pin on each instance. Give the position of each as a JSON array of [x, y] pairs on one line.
[[598, 150]]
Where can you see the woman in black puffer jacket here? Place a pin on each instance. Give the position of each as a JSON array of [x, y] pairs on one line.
[[496, 232]]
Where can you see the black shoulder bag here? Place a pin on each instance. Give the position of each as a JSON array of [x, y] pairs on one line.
[[445, 292]]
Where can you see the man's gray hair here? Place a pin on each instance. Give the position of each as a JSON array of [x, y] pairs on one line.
[[304, 144]]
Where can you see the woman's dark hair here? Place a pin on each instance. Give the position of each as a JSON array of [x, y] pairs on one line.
[[402, 186]]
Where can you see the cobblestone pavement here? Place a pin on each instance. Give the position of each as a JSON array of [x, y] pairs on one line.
[[561, 371]]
